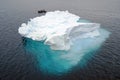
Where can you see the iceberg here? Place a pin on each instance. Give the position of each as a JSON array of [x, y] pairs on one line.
[[60, 40], [58, 27]]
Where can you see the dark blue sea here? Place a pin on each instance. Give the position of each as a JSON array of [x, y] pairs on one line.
[[18, 64]]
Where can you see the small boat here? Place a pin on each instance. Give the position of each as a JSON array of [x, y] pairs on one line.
[[42, 11]]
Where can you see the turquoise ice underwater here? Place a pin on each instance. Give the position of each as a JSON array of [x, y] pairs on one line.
[[60, 61]]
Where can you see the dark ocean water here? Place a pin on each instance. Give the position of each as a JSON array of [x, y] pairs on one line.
[[17, 64]]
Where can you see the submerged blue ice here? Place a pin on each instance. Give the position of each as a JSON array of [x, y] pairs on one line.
[[60, 61], [61, 41]]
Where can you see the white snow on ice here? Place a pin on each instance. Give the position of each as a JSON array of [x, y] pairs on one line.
[[58, 29]]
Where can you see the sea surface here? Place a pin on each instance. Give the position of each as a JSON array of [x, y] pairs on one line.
[[17, 64]]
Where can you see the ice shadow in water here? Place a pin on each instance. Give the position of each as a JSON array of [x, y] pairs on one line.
[[58, 62]]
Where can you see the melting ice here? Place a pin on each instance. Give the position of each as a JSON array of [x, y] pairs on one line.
[[60, 40]]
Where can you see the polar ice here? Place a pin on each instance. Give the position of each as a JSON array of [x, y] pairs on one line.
[[61, 40]]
